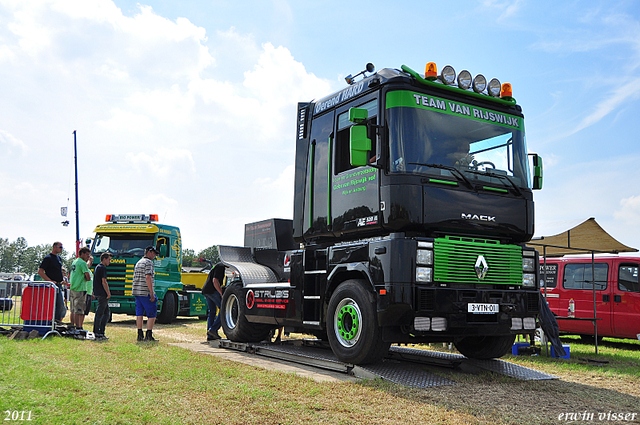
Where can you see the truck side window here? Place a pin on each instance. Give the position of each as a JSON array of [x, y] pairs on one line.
[[628, 278], [578, 276], [161, 241], [342, 150]]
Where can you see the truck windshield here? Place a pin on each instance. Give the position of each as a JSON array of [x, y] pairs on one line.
[[122, 245], [482, 145]]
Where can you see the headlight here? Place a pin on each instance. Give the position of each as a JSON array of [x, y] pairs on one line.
[[464, 79], [448, 75], [479, 83], [529, 280], [516, 323], [425, 257], [528, 264], [529, 323], [494, 87], [423, 274]]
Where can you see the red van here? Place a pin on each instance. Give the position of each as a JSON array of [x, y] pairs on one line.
[[569, 290]]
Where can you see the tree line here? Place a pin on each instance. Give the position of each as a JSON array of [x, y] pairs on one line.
[[19, 257]]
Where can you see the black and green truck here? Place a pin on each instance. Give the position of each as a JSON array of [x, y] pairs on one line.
[[412, 206], [125, 237]]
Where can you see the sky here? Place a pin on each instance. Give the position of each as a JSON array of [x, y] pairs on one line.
[[188, 109]]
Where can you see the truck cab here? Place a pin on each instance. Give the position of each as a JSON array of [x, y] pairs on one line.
[[412, 203], [125, 237]]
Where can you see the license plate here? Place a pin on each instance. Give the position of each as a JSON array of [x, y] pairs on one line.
[[114, 304], [477, 308]]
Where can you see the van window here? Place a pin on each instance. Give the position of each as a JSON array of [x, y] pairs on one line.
[[578, 276], [628, 278]]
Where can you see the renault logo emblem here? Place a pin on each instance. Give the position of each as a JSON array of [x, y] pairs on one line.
[[481, 267]]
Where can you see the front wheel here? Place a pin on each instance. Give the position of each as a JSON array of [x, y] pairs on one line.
[[485, 347], [352, 326], [169, 310], [234, 321]]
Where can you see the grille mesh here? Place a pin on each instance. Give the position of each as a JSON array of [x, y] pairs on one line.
[[455, 260]]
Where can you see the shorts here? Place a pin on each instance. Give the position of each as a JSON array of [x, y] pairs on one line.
[[78, 301], [144, 305]]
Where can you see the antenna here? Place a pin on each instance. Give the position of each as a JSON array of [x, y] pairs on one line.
[[350, 79]]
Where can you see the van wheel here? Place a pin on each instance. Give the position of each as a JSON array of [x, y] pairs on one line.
[[352, 325], [234, 322], [169, 310], [485, 347]]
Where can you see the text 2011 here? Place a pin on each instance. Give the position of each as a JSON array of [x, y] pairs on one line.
[[17, 415]]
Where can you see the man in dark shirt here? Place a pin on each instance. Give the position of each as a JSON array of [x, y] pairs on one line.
[[212, 290], [102, 293], [51, 271]]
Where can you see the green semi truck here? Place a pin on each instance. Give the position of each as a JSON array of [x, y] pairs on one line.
[[125, 236]]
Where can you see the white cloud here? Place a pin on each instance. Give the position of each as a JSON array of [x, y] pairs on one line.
[[163, 163], [629, 211], [9, 144]]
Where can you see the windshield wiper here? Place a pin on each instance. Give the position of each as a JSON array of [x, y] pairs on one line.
[[448, 168], [124, 254], [500, 176]]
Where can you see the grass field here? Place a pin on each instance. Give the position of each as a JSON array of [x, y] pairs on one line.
[[67, 381]]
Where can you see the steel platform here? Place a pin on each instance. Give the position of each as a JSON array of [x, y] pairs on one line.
[[403, 365]]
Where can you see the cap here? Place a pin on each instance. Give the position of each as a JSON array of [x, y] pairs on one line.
[[151, 249]]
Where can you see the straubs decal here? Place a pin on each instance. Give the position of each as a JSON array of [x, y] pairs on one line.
[[267, 298]]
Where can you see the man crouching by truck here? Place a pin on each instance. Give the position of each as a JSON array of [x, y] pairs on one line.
[[143, 289]]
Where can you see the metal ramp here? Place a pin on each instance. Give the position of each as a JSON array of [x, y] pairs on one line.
[[403, 366]]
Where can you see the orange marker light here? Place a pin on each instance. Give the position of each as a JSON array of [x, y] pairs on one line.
[[383, 292], [431, 70], [153, 217], [506, 91], [108, 217]]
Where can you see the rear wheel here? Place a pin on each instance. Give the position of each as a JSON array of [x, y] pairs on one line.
[[352, 326], [169, 310], [485, 347], [234, 322]]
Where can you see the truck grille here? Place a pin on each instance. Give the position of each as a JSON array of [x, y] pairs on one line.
[[455, 259]]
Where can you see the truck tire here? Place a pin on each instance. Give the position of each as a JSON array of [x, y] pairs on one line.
[[169, 310], [352, 325], [485, 347], [234, 322]]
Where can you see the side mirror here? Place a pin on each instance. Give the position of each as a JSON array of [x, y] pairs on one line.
[[359, 143], [164, 250], [537, 171]]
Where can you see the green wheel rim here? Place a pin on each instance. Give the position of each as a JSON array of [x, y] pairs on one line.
[[348, 322]]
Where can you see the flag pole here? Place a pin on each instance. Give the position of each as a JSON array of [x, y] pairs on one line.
[[75, 159]]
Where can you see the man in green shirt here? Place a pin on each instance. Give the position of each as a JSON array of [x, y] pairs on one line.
[[80, 280]]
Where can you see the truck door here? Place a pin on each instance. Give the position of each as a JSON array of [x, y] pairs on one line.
[[577, 284], [354, 194], [626, 301], [317, 202]]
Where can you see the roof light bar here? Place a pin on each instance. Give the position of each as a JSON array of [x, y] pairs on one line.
[[465, 81], [131, 218]]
